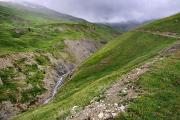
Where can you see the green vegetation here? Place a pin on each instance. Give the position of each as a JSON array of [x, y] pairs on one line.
[[31, 31], [37, 30], [23, 30], [42, 60], [161, 85], [8, 88], [21, 84], [170, 24], [99, 71]]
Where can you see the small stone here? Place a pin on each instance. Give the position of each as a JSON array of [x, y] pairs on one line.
[[1, 83], [74, 109], [122, 108], [108, 116], [114, 114], [101, 115], [115, 105]]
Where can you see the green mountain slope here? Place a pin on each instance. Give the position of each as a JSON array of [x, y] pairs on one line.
[[29, 29], [170, 24], [35, 12], [37, 47], [106, 66], [161, 86]]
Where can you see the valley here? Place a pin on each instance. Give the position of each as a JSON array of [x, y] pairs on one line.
[[55, 66]]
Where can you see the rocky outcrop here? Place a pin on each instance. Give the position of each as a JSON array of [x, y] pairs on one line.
[[82, 49], [24, 67]]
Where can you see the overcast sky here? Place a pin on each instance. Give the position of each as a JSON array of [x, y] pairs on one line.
[[113, 10]]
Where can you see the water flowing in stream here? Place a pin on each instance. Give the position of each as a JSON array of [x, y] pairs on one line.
[[56, 87]]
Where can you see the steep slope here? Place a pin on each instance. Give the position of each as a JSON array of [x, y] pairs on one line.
[[160, 94], [106, 66], [39, 48], [22, 30], [30, 10], [169, 25]]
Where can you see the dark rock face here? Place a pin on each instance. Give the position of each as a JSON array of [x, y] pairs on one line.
[[61, 69], [103, 42]]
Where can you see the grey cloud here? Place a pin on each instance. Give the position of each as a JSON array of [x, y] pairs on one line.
[[113, 10]]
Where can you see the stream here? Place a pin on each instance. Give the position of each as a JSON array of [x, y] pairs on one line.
[[55, 88]]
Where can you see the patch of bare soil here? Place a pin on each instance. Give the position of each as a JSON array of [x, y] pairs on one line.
[[52, 72], [165, 34], [119, 95], [81, 49], [7, 61]]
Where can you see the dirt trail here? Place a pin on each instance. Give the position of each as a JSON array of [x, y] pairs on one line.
[[119, 95], [165, 34]]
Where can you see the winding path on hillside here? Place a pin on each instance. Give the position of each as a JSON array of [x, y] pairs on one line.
[[164, 34], [120, 94]]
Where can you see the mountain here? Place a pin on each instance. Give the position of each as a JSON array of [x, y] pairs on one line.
[[125, 26], [28, 27], [39, 48], [54, 68], [134, 76], [26, 9]]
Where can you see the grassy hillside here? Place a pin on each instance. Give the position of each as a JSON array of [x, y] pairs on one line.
[[102, 69], [32, 38], [28, 29], [170, 24], [162, 86]]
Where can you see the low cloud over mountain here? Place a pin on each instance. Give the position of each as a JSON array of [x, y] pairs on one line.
[[113, 10]]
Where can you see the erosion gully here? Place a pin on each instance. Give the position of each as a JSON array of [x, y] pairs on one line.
[[58, 84]]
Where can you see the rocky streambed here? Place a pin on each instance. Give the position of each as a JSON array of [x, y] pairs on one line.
[[58, 84]]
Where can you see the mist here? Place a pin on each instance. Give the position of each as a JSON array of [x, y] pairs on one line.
[[112, 11]]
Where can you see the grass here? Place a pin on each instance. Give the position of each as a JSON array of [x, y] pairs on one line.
[[34, 32], [162, 88], [23, 30], [42, 60], [44, 31], [99, 71], [8, 88], [25, 89], [170, 24]]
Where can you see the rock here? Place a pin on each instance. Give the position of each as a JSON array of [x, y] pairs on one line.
[[94, 99], [101, 101], [122, 108], [74, 109], [115, 105], [1, 82], [123, 92], [114, 114], [103, 42], [7, 110], [101, 115], [108, 116]]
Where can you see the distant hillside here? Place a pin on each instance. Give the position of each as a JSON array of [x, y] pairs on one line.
[[170, 24], [34, 27], [119, 60], [26, 9], [125, 26]]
